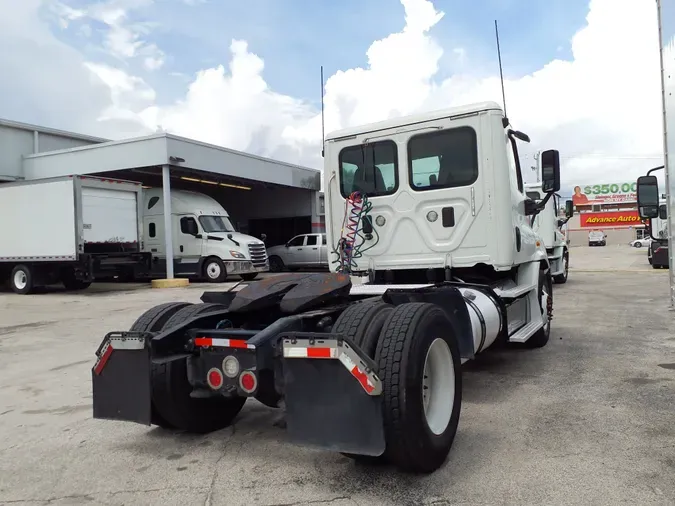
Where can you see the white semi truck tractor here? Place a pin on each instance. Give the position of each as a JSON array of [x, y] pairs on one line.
[[548, 224], [434, 260]]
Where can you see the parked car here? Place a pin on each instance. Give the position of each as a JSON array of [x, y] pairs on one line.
[[305, 251], [597, 238], [638, 243]]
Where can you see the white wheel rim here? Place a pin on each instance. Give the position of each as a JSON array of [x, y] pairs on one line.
[[213, 270], [438, 386], [20, 280]]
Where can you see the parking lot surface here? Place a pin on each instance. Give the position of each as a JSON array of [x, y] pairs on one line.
[[611, 258], [586, 420]]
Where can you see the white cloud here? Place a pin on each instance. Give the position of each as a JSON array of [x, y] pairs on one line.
[[602, 105]]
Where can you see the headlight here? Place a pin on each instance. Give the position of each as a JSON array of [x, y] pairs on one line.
[[237, 254]]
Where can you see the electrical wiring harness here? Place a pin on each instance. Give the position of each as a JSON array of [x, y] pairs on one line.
[[350, 245]]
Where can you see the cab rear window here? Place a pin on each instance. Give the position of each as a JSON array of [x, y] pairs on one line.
[[369, 168], [443, 159]]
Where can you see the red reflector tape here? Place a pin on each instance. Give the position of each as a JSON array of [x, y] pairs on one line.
[[100, 364], [310, 352], [319, 352], [360, 375], [207, 342]]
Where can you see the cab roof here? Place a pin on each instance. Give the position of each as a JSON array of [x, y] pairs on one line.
[[415, 118]]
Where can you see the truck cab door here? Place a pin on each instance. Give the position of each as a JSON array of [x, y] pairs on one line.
[[153, 227], [188, 244], [312, 250], [294, 251]]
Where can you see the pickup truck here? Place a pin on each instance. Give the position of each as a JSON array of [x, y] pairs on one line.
[[304, 251]]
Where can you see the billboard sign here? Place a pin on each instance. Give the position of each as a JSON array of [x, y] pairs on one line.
[[605, 193], [609, 219]]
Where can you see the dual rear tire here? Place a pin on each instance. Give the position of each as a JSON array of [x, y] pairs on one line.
[[419, 364], [172, 405]]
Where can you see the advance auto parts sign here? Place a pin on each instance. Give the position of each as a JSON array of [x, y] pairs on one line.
[[610, 219], [599, 193]]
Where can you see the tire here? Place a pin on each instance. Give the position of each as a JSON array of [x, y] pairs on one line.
[[406, 338], [152, 321], [561, 279], [249, 277], [276, 264], [362, 323], [541, 337], [638, 244], [21, 280], [214, 270], [171, 390]]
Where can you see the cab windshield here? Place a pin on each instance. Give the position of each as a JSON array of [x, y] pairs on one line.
[[212, 224]]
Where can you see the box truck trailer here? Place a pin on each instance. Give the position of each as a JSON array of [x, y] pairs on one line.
[[70, 230]]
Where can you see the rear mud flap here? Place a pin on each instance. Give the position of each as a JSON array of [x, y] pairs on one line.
[[333, 398], [121, 378]]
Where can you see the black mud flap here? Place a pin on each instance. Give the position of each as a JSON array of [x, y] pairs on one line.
[[121, 378], [333, 396]]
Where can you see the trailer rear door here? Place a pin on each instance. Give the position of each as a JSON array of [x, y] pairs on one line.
[[109, 215]]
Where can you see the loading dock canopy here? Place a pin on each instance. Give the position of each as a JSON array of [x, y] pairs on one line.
[[262, 196], [181, 154]]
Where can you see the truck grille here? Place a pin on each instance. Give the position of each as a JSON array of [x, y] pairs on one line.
[[258, 254]]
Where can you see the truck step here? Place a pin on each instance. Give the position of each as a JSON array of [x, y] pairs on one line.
[[517, 291], [524, 333]]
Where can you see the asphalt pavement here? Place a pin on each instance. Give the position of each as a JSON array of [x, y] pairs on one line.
[[586, 420]]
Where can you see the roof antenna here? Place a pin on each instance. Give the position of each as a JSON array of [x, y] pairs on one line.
[[505, 121], [323, 132]]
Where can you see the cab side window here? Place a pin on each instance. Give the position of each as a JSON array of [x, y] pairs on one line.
[[298, 240], [312, 240], [188, 226]]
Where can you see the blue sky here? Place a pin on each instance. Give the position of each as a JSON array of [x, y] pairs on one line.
[[75, 66], [296, 37]]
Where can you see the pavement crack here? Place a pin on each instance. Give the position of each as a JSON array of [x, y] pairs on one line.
[[319, 501], [214, 477]]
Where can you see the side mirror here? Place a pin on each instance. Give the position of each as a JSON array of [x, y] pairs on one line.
[[550, 171], [648, 197], [569, 208], [194, 230]]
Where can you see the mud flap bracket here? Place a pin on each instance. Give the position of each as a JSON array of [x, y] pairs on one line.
[[332, 394]]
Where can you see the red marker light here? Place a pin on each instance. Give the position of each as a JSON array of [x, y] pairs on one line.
[[248, 382], [214, 378]]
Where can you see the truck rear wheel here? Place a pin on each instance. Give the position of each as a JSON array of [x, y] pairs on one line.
[[21, 280], [171, 389], [362, 323], [152, 321], [419, 363]]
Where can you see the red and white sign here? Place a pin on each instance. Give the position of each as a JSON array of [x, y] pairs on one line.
[[610, 219]]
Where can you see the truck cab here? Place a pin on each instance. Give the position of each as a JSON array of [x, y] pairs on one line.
[[205, 243], [444, 193]]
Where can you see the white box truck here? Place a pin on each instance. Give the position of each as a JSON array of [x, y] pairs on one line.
[[205, 243], [71, 230]]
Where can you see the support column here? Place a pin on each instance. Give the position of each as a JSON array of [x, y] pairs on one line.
[[168, 229]]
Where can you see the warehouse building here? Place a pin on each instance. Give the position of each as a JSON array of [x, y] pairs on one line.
[[262, 196]]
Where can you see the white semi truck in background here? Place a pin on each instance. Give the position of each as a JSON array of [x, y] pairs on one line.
[[205, 243], [548, 225], [70, 230]]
